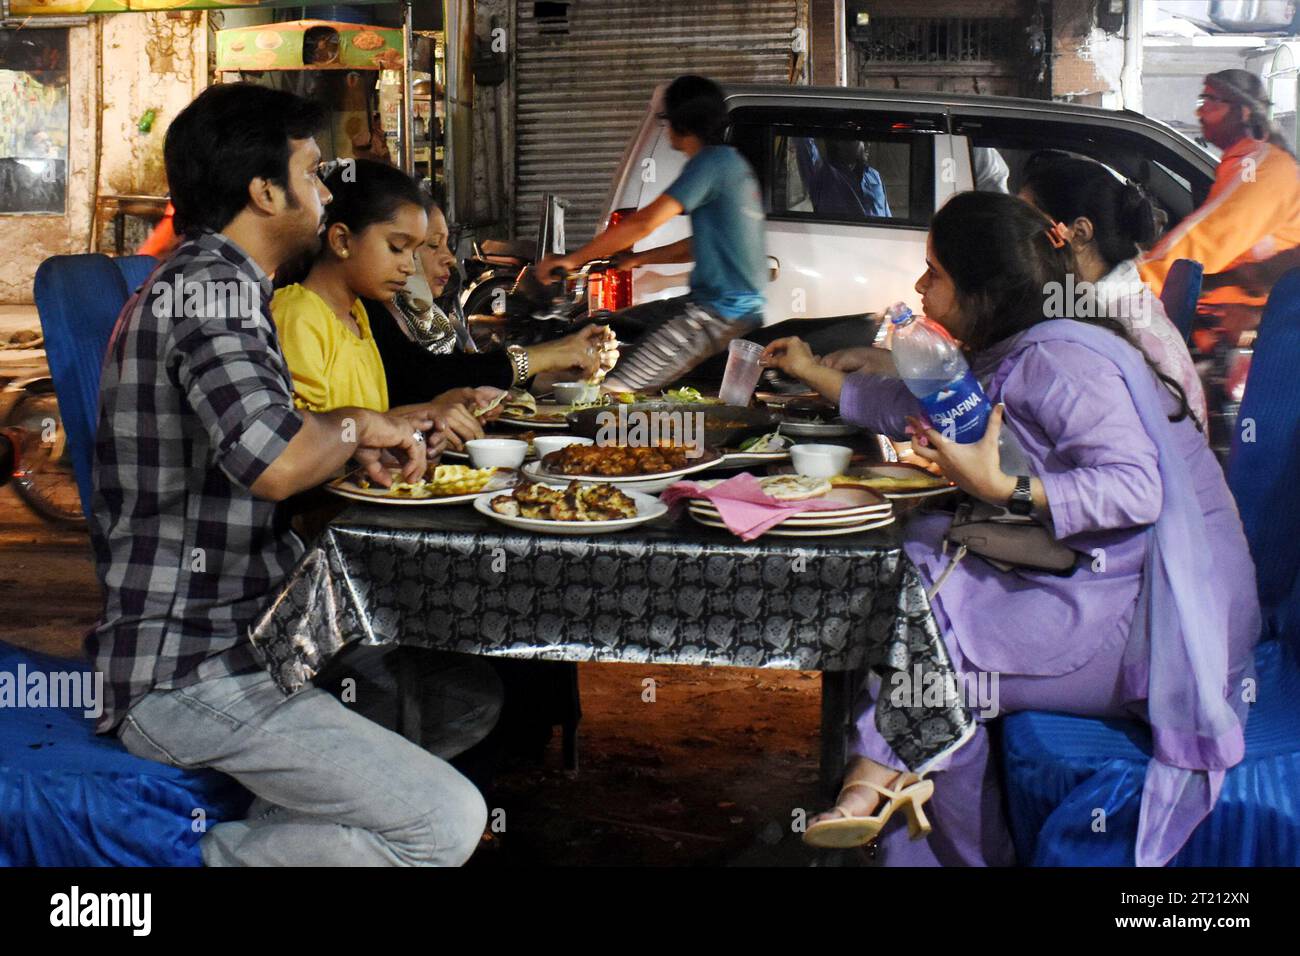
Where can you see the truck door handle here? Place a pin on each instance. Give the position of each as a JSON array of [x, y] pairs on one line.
[[773, 268]]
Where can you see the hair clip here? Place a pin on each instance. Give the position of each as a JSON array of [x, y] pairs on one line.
[[1057, 235]]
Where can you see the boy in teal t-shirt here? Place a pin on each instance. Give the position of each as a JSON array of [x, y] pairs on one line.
[[718, 190]]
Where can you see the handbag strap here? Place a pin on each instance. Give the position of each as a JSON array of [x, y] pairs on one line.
[[933, 589]]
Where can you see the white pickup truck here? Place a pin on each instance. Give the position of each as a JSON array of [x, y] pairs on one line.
[[924, 147]]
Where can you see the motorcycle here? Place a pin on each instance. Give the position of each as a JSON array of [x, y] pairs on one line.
[[504, 302]]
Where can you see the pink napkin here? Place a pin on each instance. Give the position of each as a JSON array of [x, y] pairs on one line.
[[745, 508]]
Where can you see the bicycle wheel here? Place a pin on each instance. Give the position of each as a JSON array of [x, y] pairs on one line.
[[45, 479]]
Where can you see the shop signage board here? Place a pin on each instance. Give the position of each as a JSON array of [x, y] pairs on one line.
[[309, 45], [64, 8]]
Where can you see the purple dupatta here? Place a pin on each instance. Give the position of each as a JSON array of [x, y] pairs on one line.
[[1177, 654]]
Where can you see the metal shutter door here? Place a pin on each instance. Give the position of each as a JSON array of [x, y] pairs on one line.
[[584, 82]]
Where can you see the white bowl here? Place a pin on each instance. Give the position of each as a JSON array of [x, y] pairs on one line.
[[545, 444], [570, 393], [820, 461], [496, 452]]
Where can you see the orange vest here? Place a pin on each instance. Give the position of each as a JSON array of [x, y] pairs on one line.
[[1251, 213]]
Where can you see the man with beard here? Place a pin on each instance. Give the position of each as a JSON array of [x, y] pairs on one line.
[[198, 446], [1251, 214]]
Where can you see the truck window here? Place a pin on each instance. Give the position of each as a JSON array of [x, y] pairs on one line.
[[840, 168]]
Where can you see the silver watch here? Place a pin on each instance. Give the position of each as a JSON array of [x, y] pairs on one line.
[[519, 359], [1022, 500]]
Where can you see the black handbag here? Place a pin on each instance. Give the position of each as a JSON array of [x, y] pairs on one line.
[[1005, 540]]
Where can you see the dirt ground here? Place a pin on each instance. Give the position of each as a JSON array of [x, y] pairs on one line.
[[707, 774]]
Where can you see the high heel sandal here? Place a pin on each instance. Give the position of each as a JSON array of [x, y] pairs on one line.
[[850, 831]]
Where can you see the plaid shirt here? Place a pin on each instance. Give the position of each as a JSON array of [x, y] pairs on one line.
[[195, 402]]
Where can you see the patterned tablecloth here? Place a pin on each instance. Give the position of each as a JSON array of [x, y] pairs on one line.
[[669, 591]]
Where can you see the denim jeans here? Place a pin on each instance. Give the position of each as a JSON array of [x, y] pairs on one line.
[[672, 337], [334, 788]]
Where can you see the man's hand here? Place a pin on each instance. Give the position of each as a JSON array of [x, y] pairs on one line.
[[624, 261], [548, 264], [399, 435], [1253, 278]]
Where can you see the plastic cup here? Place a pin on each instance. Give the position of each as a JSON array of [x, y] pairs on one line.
[[742, 373]]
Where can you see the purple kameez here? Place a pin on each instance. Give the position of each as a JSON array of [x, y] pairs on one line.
[[1055, 643]]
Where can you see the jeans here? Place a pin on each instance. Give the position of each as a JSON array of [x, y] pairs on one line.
[[673, 336], [334, 788]]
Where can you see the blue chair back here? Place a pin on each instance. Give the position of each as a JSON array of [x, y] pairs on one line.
[[79, 298], [1181, 290], [135, 269], [1265, 459]]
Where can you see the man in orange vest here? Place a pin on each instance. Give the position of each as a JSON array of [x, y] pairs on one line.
[[1252, 212]]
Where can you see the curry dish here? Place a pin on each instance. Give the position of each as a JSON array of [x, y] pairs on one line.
[[614, 461]]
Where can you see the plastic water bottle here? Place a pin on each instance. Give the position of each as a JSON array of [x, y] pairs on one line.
[[930, 363]]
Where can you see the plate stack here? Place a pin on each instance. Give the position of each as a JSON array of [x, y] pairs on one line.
[[862, 511]]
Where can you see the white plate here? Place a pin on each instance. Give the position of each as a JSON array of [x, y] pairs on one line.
[[900, 471], [527, 423], [744, 459], [651, 486], [660, 481], [885, 471], [533, 423], [854, 504], [780, 531], [815, 430], [800, 521], [647, 509], [503, 479]]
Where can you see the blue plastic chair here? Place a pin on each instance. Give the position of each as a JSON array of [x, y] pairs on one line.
[[1060, 768], [67, 796], [79, 299], [1181, 291], [135, 269], [71, 798]]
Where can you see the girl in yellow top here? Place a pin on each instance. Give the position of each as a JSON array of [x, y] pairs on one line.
[[334, 361], [373, 227]]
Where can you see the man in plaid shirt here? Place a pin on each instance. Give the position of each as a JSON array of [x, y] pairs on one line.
[[198, 444]]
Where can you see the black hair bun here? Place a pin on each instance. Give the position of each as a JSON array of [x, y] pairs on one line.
[[1137, 216]]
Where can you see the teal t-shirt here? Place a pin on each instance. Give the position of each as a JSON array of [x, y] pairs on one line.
[[720, 192]]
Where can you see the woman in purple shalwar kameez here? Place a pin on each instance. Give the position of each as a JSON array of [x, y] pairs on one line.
[[1121, 472]]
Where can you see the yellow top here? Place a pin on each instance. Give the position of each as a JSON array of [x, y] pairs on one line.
[[331, 366]]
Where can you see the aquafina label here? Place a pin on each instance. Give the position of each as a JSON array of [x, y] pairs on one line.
[[930, 363]]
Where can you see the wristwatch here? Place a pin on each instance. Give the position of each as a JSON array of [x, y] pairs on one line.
[[1021, 501], [519, 362]]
